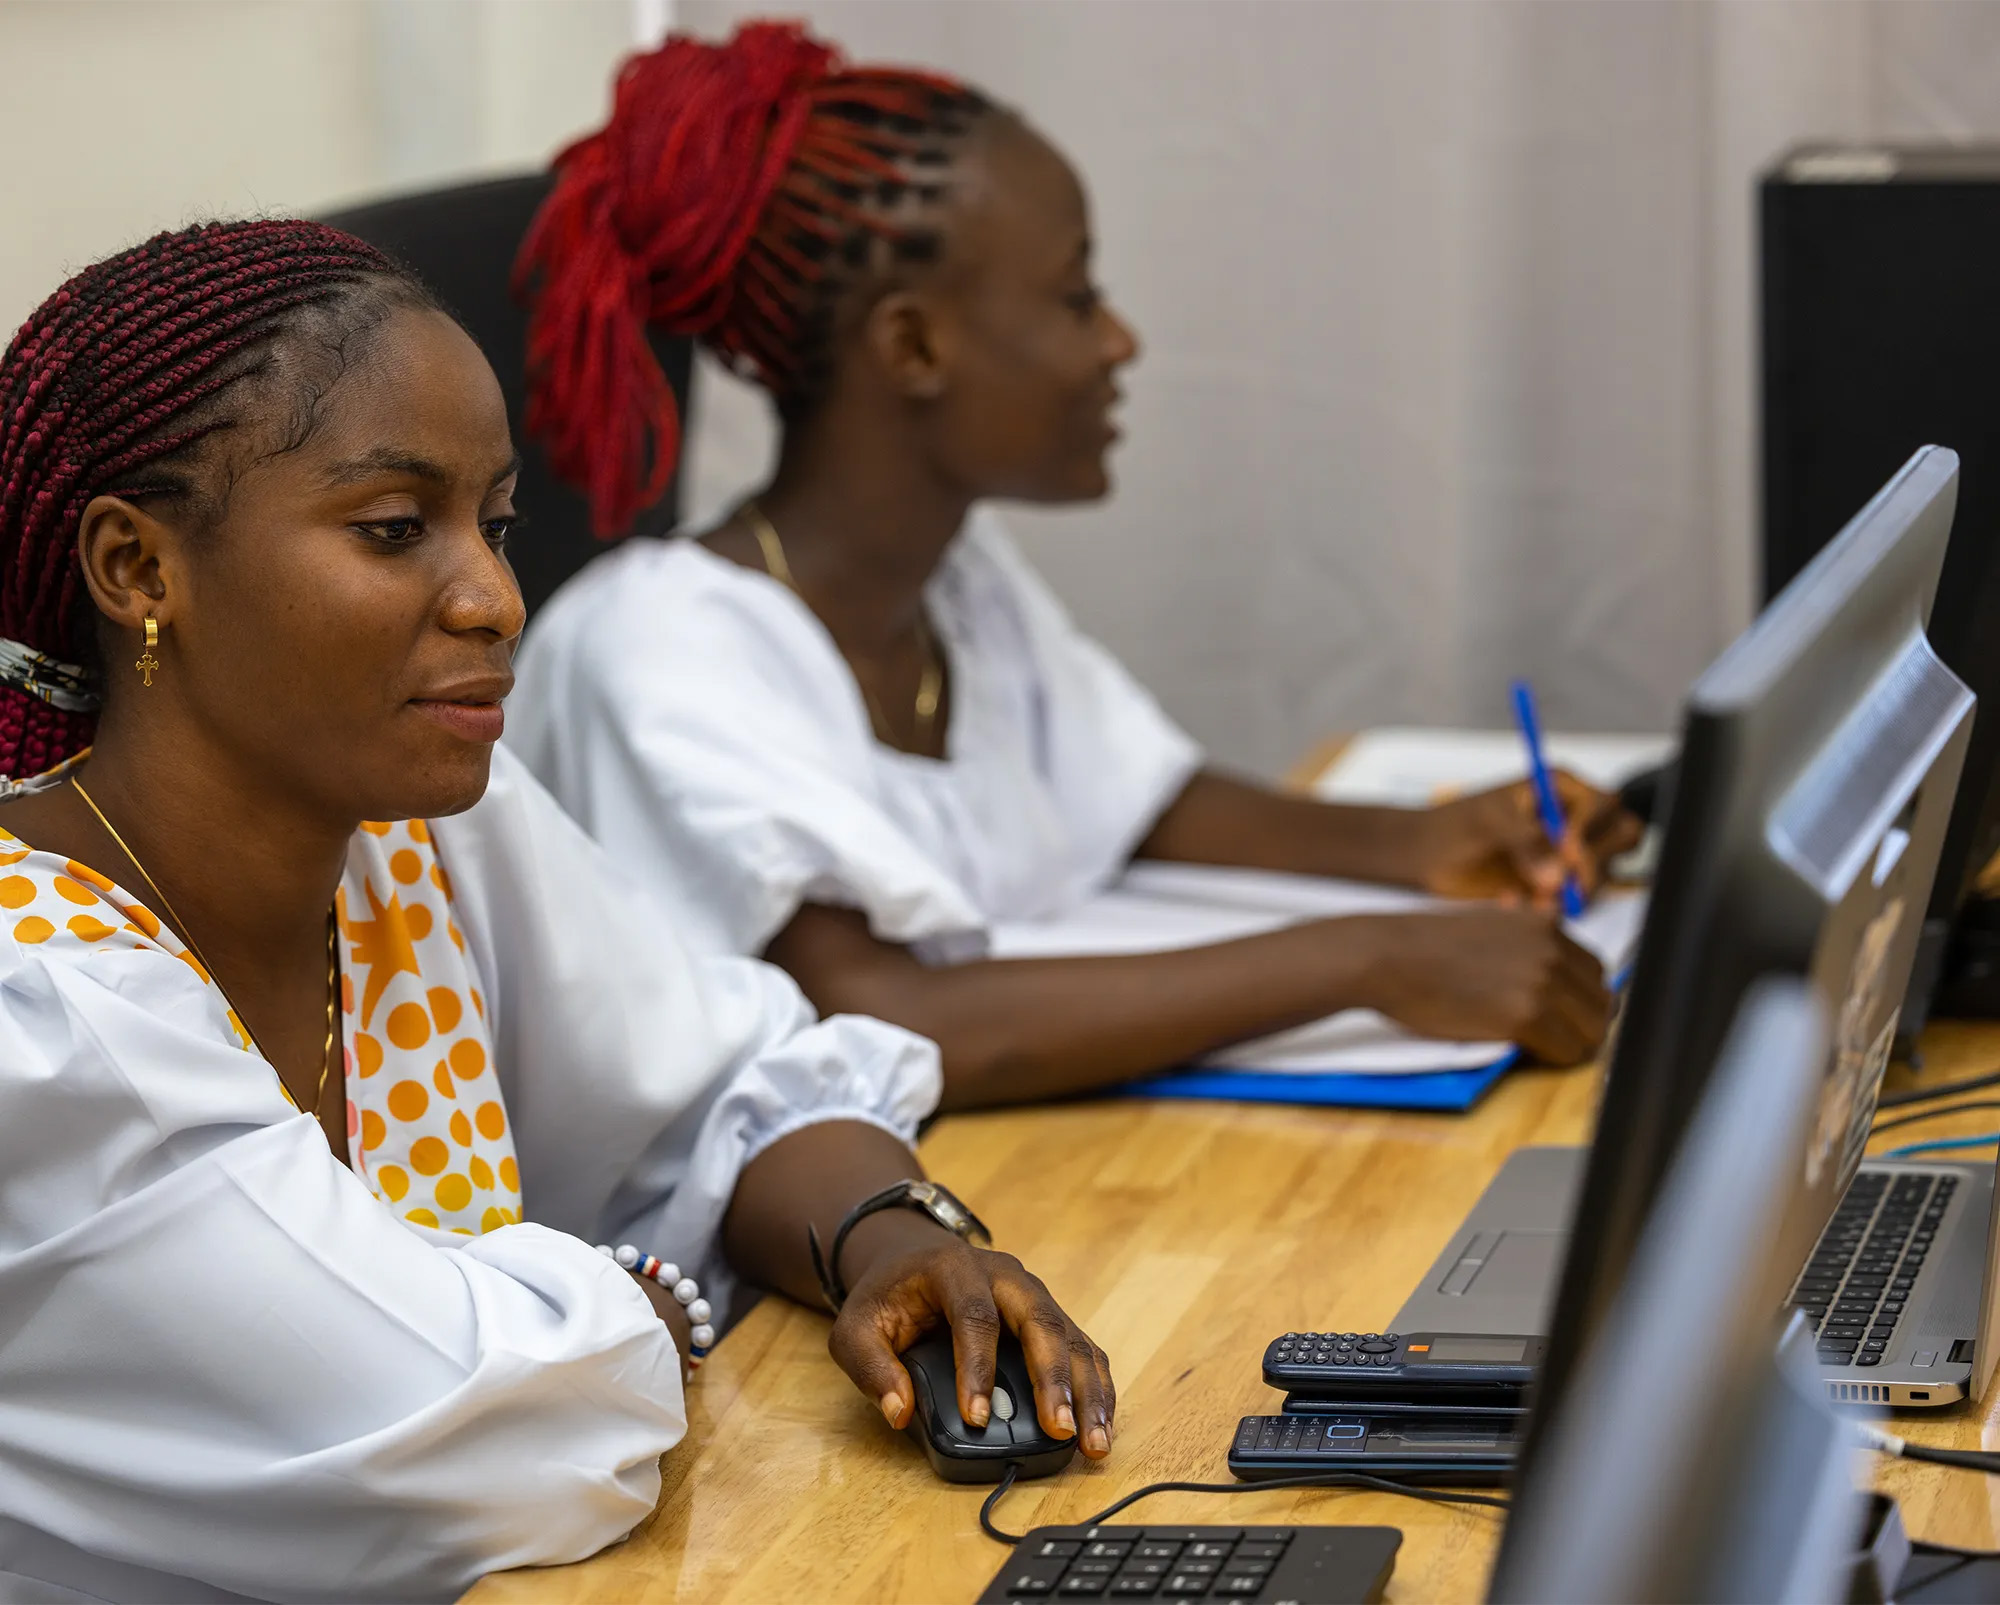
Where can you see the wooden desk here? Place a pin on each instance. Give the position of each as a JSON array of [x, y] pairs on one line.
[[1184, 1236]]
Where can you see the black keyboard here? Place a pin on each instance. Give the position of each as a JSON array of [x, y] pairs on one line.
[[1304, 1565], [1855, 1286]]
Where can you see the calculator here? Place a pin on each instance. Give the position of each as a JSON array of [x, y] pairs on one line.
[[1455, 1367], [1293, 1565]]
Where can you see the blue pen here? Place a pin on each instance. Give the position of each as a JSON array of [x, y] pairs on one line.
[[1546, 802]]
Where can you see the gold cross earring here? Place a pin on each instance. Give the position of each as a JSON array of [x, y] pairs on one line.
[[149, 663]]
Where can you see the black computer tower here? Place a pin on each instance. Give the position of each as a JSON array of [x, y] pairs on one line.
[[1880, 304]]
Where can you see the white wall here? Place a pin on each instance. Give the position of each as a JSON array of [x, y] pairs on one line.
[[123, 117]]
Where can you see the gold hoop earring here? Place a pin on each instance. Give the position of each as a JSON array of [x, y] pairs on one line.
[[147, 664]]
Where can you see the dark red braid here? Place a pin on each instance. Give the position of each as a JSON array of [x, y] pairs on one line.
[[111, 387], [731, 184]]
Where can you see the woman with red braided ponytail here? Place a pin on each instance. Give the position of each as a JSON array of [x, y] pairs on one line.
[[351, 1106], [850, 723]]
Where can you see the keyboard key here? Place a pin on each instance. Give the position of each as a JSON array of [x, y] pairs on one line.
[[1184, 1586], [1156, 1549], [1265, 1535], [1868, 1359], [1249, 1550], [1146, 1568], [1074, 1587], [1208, 1550], [1248, 1568], [1135, 1587], [1093, 1568], [1173, 1535], [1060, 1548], [1108, 1549], [1196, 1568], [1238, 1587], [1029, 1585]]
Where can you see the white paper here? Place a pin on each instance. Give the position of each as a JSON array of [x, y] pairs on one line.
[[1159, 907], [1415, 768]]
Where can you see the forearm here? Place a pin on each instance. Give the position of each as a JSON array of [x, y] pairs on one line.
[[1021, 1030], [1219, 820], [813, 1178]]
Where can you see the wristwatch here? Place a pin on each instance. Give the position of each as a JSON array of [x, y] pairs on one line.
[[926, 1197]]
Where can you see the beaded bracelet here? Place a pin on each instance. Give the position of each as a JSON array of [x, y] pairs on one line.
[[686, 1293]]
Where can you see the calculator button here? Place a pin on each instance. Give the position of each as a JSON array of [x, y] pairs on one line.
[[1350, 1337], [1340, 1359], [1374, 1345]]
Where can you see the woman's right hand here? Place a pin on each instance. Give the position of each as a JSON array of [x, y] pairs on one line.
[[1479, 973]]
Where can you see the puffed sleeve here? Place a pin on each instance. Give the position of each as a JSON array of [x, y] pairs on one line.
[[1112, 755], [701, 721], [640, 1076], [221, 1360]]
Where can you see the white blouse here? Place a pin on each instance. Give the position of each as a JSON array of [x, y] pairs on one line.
[[699, 721], [231, 1367]]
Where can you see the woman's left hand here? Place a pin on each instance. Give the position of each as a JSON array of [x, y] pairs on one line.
[[934, 1279], [1492, 844]]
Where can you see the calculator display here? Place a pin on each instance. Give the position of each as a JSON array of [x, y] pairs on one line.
[[1487, 1350]]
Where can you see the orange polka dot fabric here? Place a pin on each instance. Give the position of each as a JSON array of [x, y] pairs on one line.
[[55, 903], [427, 1128]]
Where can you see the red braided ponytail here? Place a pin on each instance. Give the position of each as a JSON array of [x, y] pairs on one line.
[[111, 387], [730, 179]]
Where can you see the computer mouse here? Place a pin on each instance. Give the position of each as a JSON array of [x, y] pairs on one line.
[[1013, 1434]]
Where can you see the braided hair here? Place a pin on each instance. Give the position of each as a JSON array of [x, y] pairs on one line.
[[736, 193], [123, 383]]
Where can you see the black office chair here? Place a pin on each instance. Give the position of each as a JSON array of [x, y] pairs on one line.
[[462, 241]]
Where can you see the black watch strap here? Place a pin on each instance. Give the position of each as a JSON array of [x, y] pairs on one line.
[[925, 1197]]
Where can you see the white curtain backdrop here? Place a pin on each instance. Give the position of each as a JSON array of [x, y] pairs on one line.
[[1448, 313]]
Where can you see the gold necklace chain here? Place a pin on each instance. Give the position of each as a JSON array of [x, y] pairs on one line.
[[930, 686], [187, 935]]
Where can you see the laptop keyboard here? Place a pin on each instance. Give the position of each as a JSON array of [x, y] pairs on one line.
[[1855, 1286]]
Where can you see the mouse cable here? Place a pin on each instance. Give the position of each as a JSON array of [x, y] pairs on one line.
[[1944, 1089], [1323, 1479], [1920, 1115], [1986, 1460]]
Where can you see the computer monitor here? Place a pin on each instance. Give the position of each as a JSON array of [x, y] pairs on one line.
[[1819, 757], [1693, 1456]]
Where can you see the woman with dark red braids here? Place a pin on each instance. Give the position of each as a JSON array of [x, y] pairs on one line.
[[372, 1158], [849, 723]]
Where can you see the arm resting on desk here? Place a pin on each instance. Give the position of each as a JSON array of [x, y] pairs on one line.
[[1488, 845], [1021, 1030], [907, 1275]]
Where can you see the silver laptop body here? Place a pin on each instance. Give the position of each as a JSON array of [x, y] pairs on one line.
[[1498, 1274]]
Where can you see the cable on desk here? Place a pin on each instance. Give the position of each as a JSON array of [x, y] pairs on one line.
[[1944, 1089], [1939, 1145], [1986, 1460], [1322, 1479], [1881, 1126]]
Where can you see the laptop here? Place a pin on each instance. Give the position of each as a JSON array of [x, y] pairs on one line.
[[1820, 757]]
